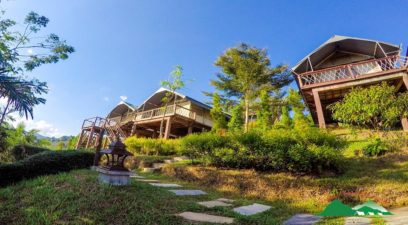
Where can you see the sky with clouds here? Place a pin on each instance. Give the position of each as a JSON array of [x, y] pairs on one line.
[[124, 48]]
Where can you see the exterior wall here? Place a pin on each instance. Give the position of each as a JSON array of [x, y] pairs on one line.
[[341, 59]]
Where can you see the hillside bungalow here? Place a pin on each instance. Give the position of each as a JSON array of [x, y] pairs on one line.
[[326, 74], [183, 115]]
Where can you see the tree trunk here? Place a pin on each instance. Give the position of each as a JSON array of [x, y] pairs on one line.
[[4, 113], [246, 114]]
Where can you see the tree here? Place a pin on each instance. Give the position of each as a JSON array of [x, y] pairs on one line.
[[60, 145], [245, 71], [174, 83], [23, 51], [217, 115], [285, 120], [236, 120], [71, 144], [295, 101], [264, 113], [378, 107]]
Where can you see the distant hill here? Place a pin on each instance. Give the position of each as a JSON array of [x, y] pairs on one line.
[[54, 140]]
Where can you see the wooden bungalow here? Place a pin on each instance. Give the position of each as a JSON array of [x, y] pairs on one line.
[[341, 63], [183, 115]]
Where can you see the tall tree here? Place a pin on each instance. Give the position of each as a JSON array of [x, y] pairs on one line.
[[285, 120], [174, 83], [295, 101], [264, 113], [22, 51], [217, 115], [245, 71], [236, 120]]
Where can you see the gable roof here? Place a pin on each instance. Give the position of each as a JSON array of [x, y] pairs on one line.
[[121, 108], [373, 48]]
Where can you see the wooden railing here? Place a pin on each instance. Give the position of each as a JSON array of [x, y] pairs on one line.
[[112, 127], [353, 70], [156, 113]]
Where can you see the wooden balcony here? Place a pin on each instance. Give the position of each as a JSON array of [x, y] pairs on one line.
[[171, 110], [344, 73]]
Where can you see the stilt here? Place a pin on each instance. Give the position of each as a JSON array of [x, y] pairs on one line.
[[168, 128], [88, 143], [190, 129], [81, 136], [319, 109]]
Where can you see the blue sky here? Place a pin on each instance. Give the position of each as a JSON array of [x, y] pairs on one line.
[[124, 48]]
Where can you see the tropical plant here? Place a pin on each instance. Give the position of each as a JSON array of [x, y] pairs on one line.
[[22, 51], [245, 71], [217, 115], [378, 107], [174, 83]]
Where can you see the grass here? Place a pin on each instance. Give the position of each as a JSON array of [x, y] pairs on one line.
[[77, 198]]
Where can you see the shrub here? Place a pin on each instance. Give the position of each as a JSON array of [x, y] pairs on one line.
[[376, 148], [20, 152], [47, 162], [276, 150], [149, 146]]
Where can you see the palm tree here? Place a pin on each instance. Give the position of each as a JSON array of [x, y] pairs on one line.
[[20, 95]]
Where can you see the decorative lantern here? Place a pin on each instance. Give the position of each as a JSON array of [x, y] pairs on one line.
[[114, 172]]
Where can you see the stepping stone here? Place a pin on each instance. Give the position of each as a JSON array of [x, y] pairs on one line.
[[158, 165], [149, 170], [168, 161], [164, 185], [211, 204], [188, 192], [147, 180], [225, 200], [136, 176], [303, 219], [180, 158], [251, 209], [202, 217], [357, 221]]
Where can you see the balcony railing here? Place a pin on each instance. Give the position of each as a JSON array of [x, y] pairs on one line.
[[352, 71], [160, 112]]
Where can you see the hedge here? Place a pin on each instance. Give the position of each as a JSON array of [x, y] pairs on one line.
[[21, 152], [150, 146], [306, 151], [48, 162]]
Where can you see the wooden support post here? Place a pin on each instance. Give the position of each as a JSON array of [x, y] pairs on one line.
[[319, 109], [88, 142], [168, 128], [404, 121], [81, 136], [190, 129], [133, 131], [98, 148]]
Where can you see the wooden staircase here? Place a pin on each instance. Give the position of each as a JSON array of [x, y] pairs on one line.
[[98, 129]]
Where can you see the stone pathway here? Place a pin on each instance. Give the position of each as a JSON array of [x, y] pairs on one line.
[[400, 217], [164, 185], [249, 210], [303, 219], [214, 203], [136, 176], [357, 221], [202, 217], [148, 180], [188, 192]]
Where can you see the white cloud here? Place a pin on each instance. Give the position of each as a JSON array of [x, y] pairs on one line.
[[30, 51], [45, 128], [123, 97]]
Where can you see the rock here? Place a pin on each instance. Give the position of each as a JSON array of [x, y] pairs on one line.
[[225, 200], [251, 209], [149, 170], [164, 185], [168, 161], [303, 219], [202, 217], [158, 165], [180, 158], [211, 204], [188, 192], [357, 221]]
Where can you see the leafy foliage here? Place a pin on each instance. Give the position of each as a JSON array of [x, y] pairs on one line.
[[236, 121], [23, 93], [264, 113], [217, 115], [376, 148], [295, 101], [245, 71], [21, 152], [149, 146], [307, 151]]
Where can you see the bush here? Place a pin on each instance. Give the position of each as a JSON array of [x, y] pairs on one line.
[[47, 162], [149, 146], [307, 151], [376, 148], [21, 152]]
